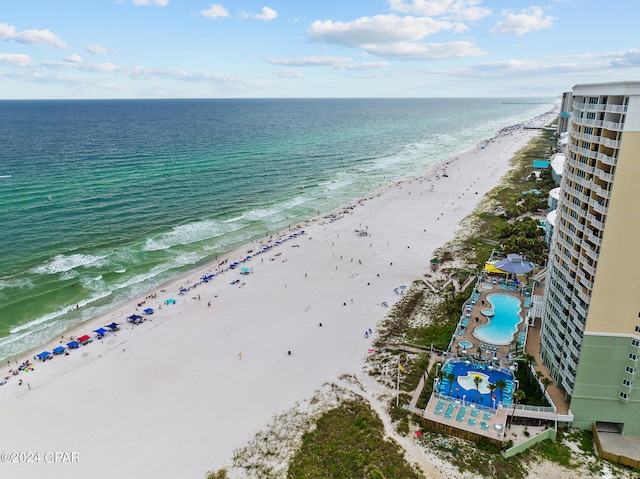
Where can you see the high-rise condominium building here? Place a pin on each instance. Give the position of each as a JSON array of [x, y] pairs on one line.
[[590, 338]]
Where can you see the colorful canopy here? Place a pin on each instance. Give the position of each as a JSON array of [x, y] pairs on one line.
[[73, 344], [44, 355], [59, 350], [514, 263], [84, 339]]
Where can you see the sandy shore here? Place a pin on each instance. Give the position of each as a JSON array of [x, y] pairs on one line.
[[173, 397]]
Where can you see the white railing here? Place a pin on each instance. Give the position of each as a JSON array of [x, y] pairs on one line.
[[611, 143], [607, 160], [586, 121], [610, 125]]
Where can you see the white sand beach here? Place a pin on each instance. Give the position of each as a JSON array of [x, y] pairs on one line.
[[173, 397]]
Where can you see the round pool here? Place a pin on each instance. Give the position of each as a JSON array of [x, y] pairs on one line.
[[465, 344], [487, 312], [487, 286]]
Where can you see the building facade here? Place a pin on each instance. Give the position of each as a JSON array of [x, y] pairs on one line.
[[590, 337], [565, 112]]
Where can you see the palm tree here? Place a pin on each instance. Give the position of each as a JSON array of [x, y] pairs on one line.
[[477, 379], [492, 387], [451, 377], [529, 359], [516, 344], [518, 395], [546, 382], [501, 384]]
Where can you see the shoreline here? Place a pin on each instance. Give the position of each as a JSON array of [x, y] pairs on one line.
[[315, 300], [197, 272]]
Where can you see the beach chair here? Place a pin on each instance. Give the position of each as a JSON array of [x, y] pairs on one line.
[[484, 426], [471, 421], [475, 412]]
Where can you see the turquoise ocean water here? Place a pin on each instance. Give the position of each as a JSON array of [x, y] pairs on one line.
[[107, 199]]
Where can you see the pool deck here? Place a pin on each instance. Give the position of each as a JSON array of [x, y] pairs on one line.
[[494, 417], [476, 318]]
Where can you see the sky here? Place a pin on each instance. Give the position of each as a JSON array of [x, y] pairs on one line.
[[91, 49]]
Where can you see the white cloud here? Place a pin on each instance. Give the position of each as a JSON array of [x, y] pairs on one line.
[[267, 14], [97, 49], [150, 3], [380, 29], [31, 37], [528, 20], [16, 60], [290, 73], [338, 63], [313, 61], [214, 11], [73, 58], [466, 10], [392, 36], [426, 51]]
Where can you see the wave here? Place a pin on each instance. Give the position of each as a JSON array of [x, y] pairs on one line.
[[62, 263], [191, 233], [276, 209], [15, 283]]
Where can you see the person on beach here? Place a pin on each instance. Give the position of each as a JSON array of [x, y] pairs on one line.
[[240, 354]]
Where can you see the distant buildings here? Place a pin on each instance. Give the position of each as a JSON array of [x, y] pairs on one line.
[[590, 337], [565, 112]]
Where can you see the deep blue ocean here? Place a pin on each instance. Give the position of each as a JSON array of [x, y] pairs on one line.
[[101, 201]]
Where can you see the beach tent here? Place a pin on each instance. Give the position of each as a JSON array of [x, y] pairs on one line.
[[170, 301], [100, 331], [514, 263], [134, 318], [59, 350], [113, 326], [148, 311], [73, 344], [43, 355], [84, 339]]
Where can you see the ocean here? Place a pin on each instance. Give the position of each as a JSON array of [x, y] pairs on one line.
[[101, 201]]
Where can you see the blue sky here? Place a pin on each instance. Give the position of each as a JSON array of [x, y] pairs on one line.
[[283, 48]]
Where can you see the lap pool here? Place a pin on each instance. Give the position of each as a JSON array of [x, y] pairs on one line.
[[503, 323]]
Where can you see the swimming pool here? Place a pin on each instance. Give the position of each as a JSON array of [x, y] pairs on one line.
[[465, 344], [464, 386], [503, 324]]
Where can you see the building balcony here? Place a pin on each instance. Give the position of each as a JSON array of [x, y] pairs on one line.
[[602, 192], [595, 221], [613, 126], [571, 362], [589, 236], [607, 160], [589, 253], [600, 107], [582, 295], [608, 177], [578, 150], [597, 207], [572, 348], [588, 268], [586, 121], [575, 319], [615, 144]]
